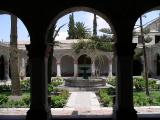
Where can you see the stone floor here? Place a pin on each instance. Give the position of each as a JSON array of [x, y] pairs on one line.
[[72, 111]]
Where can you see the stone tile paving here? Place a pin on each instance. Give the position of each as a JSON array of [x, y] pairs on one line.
[[72, 111], [83, 101]]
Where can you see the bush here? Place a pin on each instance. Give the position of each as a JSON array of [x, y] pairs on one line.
[[64, 94], [152, 84], [25, 85], [3, 99], [141, 99], [26, 100], [139, 83], [58, 101], [5, 88], [57, 79], [112, 81], [104, 97]]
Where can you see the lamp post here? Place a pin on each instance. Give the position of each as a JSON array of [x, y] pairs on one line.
[[145, 57]]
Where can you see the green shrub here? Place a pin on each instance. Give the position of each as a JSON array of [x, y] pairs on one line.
[[105, 99], [25, 84], [152, 84], [26, 100], [139, 83], [58, 101], [141, 99], [14, 104], [5, 88], [3, 99], [57, 79], [64, 94], [112, 81]]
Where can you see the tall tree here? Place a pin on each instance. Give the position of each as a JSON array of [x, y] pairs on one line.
[[95, 25], [145, 57], [71, 26], [15, 79]]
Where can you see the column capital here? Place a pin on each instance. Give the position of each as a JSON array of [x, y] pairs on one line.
[[75, 61], [38, 50], [123, 49]]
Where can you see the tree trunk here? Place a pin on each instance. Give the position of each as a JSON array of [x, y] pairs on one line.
[[15, 80], [145, 59]]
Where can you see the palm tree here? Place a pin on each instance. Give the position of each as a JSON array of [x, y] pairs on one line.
[[52, 33], [15, 79], [81, 31]]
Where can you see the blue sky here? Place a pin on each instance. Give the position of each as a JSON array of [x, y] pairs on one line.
[[81, 16], [5, 29]]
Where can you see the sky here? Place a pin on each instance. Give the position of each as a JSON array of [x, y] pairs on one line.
[[84, 17], [80, 16]]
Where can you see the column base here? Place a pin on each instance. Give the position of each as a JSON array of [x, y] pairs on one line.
[[38, 114], [125, 114]]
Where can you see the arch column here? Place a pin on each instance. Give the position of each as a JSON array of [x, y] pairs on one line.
[[22, 68], [58, 67], [38, 58], [93, 68], [75, 68], [110, 67], [124, 108]]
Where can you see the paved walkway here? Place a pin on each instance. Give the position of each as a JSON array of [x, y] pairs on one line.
[[83, 101]]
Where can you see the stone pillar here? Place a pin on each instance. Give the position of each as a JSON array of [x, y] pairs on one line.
[[22, 68], [93, 68], [38, 58], [58, 68], [110, 68], [124, 108], [75, 68]]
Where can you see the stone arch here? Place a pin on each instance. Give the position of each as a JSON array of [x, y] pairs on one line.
[[101, 65], [84, 61], [67, 65]]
